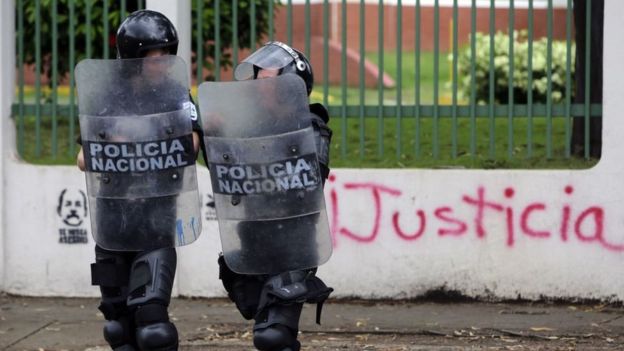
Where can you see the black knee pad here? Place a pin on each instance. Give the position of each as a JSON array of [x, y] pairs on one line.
[[276, 338], [157, 337], [119, 334], [125, 348], [154, 331], [276, 328], [285, 315], [281, 302]]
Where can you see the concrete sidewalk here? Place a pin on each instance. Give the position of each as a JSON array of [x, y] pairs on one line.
[[214, 324]]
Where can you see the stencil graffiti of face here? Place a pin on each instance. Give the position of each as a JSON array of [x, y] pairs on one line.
[[72, 207]]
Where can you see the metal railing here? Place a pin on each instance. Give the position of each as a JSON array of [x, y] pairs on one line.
[[409, 130]]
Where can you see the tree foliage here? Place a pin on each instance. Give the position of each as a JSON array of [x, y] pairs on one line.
[[92, 41], [243, 23]]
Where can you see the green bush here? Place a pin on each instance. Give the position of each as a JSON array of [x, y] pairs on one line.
[[97, 32], [520, 72]]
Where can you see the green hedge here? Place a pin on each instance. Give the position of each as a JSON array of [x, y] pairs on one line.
[[520, 72], [97, 32]]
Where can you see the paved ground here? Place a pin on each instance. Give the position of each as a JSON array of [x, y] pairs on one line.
[[214, 324]]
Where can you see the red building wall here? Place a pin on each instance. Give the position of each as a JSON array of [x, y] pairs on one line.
[[390, 34], [408, 31]]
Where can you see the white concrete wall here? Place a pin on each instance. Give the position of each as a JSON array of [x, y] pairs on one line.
[[397, 233], [7, 141], [380, 247]]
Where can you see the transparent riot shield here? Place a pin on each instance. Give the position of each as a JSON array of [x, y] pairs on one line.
[[265, 175], [137, 143]]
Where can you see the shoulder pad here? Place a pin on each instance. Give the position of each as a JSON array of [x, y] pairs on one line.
[[320, 110]]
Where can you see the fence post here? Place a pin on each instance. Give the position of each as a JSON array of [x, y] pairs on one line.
[[7, 132], [179, 12]]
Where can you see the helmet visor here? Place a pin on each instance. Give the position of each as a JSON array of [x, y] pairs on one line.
[[267, 57]]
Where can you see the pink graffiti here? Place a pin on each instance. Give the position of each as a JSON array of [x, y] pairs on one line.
[[376, 190], [525, 220], [407, 236], [443, 213], [586, 227]]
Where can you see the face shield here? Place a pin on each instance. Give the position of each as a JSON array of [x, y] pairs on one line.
[[274, 55]]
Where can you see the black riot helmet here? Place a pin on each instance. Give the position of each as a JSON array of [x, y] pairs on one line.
[[276, 55], [145, 30]]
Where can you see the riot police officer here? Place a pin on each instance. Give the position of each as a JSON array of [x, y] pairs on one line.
[[136, 284], [273, 299]]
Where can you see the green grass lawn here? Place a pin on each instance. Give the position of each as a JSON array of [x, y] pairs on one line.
[[408, 82], [365, 152], [349, 149], [43, 152]]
